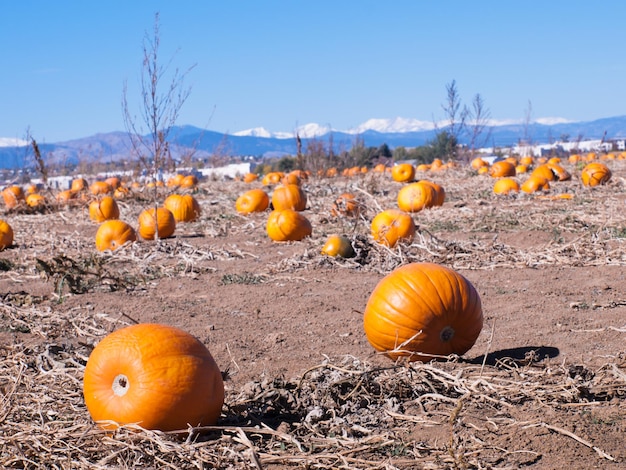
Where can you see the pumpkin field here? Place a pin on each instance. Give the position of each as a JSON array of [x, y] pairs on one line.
[[280, 277]]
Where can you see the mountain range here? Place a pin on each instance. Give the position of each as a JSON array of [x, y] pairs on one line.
[[258, 142]]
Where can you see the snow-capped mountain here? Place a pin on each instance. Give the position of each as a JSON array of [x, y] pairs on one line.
[[11, 142], [397, 132]]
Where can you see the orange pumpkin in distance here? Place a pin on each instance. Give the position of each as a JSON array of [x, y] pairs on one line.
[[346, 204], [403, 172], [338, 245], [254, 200], [104, 209], [421, 311], [35, 200], [288, 225], [112, 234], [12, 195], [6, 235], [505, 186], [392, 226], [289, 196], [155, 376], [416, 196], [501, 169], [149, 220], [100, 187], [184, 207], [595, 174]]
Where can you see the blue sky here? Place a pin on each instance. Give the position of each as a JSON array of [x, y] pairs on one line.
[[282, 64]]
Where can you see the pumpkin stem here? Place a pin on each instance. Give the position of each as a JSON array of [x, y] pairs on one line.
[[120, 385], [446, 334]]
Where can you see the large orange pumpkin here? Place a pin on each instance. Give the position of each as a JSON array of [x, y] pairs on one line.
[[155, 376], [595, 174], [6, 235], [112, 234], [423, 310], [416, 196], [403, 172], [289, 196], [254, 200], [183, 207], [149, 220], [104, 209], [392, 226], [288, 225]]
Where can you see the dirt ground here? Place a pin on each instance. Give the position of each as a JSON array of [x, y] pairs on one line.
[[543, 387]]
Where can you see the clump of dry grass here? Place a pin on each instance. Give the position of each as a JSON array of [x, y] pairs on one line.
[[342, 413]]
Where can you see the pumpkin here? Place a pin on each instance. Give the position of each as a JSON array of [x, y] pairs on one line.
[[416, 196], [104, 209], [113, 181], [12, 195], [595, 174], [440, 193], [155, 376], [552, 172], [379, 168], [183, 207], [189, 182], [100, 187], [422, 167], [506, 186], [250, 177], [121, 192], [501, 169], [423, 310], [6, 235], [271, 178], [79, 184], [338, 245], [112, 234], [535, 183], [346, 204], [478, 163], [31, 189], [64, 197], [288, 225], [527, 161], [255, 200], [175, 180], [35, 200], [289, 196], [521, 169], [150, 220], [392, 226], [331, 172], [403, 172], [291, 178]]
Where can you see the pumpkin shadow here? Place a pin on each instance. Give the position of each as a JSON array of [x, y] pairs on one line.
[[519, 356]]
